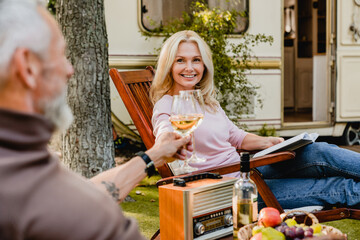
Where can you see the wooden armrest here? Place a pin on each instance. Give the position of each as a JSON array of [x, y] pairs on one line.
[[254, 162], [271, 158], [235, 167]]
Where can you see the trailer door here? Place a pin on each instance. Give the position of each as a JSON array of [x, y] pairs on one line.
[[348, 61]]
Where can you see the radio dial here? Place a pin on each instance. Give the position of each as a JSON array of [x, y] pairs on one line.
[[199, 229], [228, 219]]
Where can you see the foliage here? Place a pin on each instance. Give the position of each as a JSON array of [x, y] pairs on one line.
[[267, 131], [230, 60], [51, 6]]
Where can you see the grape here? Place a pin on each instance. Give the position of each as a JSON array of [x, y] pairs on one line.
[[308, 233], [299, 232], [283, 224], [289, 233], [280, 229], [311, 230]]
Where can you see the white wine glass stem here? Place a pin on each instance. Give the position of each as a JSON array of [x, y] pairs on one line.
[[193, 155], [194, 158]]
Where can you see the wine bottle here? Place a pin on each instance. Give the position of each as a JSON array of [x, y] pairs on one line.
[[245, 208]]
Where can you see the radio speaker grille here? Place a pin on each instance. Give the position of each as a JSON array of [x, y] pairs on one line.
[[212, 200]]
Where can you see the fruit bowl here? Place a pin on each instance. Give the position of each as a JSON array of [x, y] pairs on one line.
[[245, 233]]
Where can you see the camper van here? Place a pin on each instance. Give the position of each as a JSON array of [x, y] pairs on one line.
[[309, 77]]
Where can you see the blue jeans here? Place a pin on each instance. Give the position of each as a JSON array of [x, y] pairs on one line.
[[321, 174]]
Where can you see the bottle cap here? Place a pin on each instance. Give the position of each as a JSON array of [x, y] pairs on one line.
[[244, 162]]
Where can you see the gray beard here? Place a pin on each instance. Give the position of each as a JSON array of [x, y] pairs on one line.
[[57, 111]]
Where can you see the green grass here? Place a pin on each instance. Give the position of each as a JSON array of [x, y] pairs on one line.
[[146, 211], [349, 226], [146, 208]]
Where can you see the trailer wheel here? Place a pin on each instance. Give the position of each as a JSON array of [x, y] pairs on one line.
[[351, 135]]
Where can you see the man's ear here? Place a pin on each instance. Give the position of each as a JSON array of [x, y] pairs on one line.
[[27, 67]]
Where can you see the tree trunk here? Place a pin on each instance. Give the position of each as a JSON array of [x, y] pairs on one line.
[[88, 147]]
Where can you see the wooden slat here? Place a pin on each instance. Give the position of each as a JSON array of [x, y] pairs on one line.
[[128, 96], [130, 77], [133, 87], [354, 213], [271, 158], [264, 190], [143, 103], [332, 214]]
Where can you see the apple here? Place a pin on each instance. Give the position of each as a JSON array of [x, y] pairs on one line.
[[269, 217], [257, 236], [257, 229]]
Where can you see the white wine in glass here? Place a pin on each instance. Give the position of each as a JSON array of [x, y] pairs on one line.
[[184, 120], [200, 108], [183, 125]]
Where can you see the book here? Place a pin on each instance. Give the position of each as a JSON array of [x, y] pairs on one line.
[[290, 144], [175, 167]]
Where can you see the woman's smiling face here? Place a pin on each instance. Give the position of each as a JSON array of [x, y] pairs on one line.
[[188, 67]]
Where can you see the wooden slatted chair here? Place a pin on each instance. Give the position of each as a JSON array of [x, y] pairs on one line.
[[133, 87]]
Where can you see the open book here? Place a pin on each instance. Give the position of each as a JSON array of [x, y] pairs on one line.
[[175, 167], [290, 144]]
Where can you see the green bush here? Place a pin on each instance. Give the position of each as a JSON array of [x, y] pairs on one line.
[[267, 131], [230, 60], [51, 6]]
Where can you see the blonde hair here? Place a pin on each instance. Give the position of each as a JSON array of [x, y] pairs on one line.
[[163, 81]]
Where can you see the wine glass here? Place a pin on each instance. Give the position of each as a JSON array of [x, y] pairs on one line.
[[184, 119], [200, 104]]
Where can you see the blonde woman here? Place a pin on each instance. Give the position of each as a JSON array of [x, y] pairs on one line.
[[185, 63]]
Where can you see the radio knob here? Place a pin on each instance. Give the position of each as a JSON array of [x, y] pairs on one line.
[[199, 229], [228, 219]]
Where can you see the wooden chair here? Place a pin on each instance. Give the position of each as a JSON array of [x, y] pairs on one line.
[[133, 87]]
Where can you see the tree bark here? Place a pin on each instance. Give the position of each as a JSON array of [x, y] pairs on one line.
[[88, 146]]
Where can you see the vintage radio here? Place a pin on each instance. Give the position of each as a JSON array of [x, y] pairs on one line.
[[196, 207]]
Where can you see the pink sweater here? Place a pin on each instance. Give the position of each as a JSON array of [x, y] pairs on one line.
[[216, 139]]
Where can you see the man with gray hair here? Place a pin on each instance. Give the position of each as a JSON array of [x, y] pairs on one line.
[[39, 199]]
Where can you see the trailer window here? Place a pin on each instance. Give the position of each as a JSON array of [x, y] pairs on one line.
[[155, 13]]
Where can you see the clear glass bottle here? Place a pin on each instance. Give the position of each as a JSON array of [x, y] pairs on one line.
[[245, 207]]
